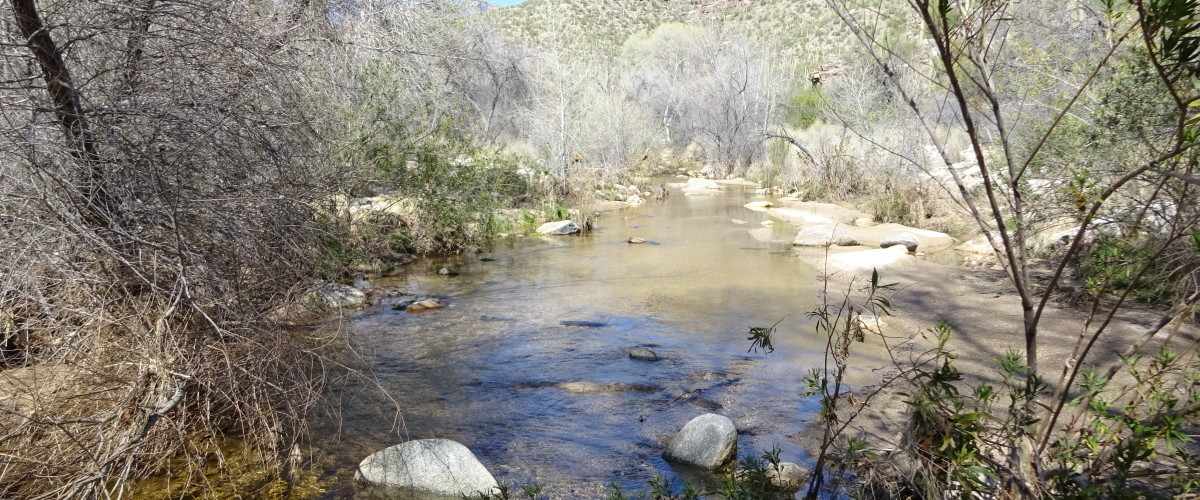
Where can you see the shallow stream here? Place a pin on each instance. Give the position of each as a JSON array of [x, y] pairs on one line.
[[534, 314]]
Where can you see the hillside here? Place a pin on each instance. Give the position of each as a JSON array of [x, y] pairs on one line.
[[801, 29]]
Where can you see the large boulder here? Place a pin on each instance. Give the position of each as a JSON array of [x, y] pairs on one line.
[[439, 466], [559, 227], [906, 238], [696, 183], [708, 441], [823, 236], [337, 295]]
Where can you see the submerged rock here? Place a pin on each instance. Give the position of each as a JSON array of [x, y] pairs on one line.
[[759, 205], [642, 353], [823, 236], [418, 305], [423, 305], [448, 271], [596, 388], [559, 227], [906, 238], [708, 441], [438, 466], [585, 324]]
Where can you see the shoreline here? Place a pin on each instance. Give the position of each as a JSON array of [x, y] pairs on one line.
[[984, 313]]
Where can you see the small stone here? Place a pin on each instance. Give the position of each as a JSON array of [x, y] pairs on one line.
[[448, 271], [789, 476], [870, 323], [642, 353], [637, 241]]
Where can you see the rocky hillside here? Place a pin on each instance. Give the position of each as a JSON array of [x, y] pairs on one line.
[[803, 29], [479, 6]]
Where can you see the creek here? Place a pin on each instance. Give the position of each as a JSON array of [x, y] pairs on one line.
[[536, 313]]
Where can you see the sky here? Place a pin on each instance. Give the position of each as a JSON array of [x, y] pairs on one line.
[[505, 3]]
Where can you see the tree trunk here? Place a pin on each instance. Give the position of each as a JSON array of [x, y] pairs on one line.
[[68, 111]]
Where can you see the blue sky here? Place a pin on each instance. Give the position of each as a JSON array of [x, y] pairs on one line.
[[505, 2]]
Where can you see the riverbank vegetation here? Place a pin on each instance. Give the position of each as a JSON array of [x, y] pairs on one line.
[[175, 177], [1116, 142]]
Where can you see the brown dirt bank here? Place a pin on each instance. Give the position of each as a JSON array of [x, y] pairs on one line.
[[983, 310]]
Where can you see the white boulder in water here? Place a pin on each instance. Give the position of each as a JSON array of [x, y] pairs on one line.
[[559, 227], [708, 441], [438, 466]]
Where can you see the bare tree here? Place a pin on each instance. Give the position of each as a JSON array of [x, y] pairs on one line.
[[713, 89], [492, 76]]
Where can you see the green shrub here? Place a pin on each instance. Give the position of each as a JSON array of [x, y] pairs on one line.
[[1134, 266], [804, 109]]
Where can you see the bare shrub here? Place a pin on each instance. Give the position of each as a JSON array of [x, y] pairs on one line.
[[157, 205]]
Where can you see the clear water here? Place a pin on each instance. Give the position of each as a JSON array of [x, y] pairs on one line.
[[483, 371]]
